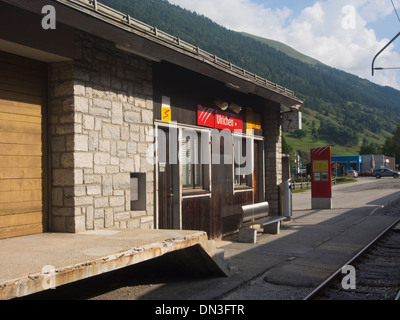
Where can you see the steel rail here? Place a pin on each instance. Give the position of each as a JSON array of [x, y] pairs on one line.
[[325, 284]]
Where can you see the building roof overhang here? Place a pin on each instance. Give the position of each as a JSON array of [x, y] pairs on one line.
[[136, 37]]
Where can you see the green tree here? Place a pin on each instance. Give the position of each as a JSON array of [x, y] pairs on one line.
[[300, 134], [391, 147], [286, 149], [367, 149]]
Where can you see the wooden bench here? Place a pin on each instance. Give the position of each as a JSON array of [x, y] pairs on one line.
[[257, 214]]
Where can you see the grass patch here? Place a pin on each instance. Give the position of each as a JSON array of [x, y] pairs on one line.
[[343, 180]]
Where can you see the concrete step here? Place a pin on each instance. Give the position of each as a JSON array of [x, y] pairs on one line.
[[218, 256], [74, 257]]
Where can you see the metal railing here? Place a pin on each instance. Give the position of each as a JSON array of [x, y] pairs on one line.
[[300, 185], [305, 184], [153, 32]]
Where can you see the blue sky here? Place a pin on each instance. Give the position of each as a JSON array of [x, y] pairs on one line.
[[345, 34], [383, 27], [295, 5], [388, 26]]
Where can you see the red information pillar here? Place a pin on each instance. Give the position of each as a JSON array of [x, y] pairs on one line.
[[321, 178]]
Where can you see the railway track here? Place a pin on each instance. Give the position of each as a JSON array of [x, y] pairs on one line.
[[373, 274]]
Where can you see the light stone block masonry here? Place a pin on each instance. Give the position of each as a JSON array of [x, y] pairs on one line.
[[101, 115]]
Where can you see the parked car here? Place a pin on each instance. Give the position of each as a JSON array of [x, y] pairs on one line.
[[379, 173], [352, 173]]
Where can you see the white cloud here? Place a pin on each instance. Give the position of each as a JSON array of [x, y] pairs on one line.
[[239, 15], [350, 47], [373, 10], [325, 31]]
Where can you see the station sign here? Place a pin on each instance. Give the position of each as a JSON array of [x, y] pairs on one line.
[[218, 119], [228, 121], [205, 116]]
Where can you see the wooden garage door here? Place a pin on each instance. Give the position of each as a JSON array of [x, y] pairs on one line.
[[22, 85]]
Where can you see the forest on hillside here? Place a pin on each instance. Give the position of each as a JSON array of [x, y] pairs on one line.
[[354, 105]]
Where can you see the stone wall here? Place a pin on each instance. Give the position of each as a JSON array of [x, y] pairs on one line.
[[101, 117], [273, 155]]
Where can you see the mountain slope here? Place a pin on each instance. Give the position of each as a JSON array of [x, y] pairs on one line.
[[354, 110], [314, 122], [289, 51]]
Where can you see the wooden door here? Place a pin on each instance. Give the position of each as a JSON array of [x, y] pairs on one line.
[[22, 86], [258, 172], [168, 182]]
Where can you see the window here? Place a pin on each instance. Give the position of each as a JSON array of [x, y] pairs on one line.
[[194, 158], [190, 159], [243, 162], [138, 191]]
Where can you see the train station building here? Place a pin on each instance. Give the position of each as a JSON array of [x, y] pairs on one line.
[[106, 122]]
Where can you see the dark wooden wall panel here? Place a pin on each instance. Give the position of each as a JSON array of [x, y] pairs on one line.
[[196, 215], [220, 214]]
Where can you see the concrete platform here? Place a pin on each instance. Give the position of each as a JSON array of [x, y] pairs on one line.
[[287, 266], [315, 243], [31, 264]]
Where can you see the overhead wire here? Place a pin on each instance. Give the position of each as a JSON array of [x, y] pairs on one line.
[[395, 10], [384, 48]]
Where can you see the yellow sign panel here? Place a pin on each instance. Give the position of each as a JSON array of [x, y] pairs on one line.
[[166, 114], [253, 121], [321, 166]]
